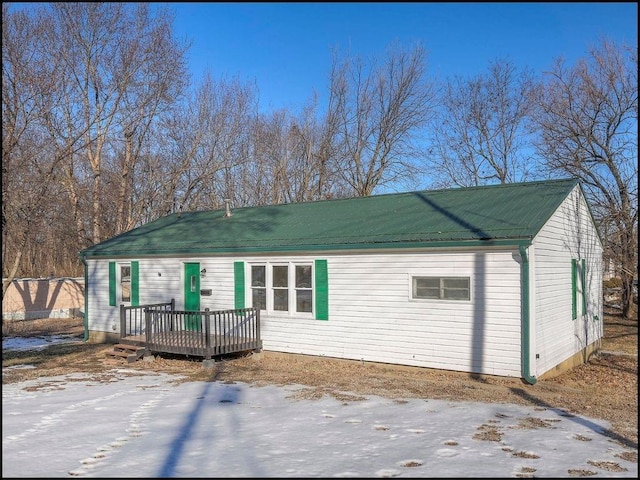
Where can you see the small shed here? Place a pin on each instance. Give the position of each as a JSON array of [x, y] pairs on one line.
[[499, 280]]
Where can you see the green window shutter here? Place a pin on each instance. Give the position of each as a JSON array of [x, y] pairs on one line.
[[135, 283], [584, 286], [574, 288], [322, 290], [238, 278], [112, 284]]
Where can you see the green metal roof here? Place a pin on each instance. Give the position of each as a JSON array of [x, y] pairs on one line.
[[506, 214]]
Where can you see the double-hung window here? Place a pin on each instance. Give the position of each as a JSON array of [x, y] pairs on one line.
[[303, 287], [125, 283], [280, 287], [258, 287]]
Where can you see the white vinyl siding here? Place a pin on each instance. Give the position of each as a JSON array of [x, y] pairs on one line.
[[371, 315], [161, 279], [568, 235]]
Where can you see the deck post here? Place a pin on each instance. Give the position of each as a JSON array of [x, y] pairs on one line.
[[147, 325], [123, 321], [173, 315], [258, 341], [207, 334], [147, 331]]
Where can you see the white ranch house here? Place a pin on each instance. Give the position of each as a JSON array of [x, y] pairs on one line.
[[499, 280]]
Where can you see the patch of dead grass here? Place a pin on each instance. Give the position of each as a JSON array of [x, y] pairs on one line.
[[42, 326]]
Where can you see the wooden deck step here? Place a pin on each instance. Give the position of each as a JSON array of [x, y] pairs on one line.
[[127, 347], [130, 353]]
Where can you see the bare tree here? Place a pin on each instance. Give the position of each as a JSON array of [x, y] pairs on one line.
[[479, 133], [379, 112], [121, 65], [273, 153], [206, 147], [29, 166], [316, 175], [83, 88], [588, 123], [157, 80], [293, 155]]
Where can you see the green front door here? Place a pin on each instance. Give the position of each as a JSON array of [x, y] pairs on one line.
[[192, 295]]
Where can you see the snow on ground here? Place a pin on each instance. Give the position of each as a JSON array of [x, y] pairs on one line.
[[129, 423]]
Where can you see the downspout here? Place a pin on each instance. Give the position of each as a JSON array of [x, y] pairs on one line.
[[526, 328], [85, 320]]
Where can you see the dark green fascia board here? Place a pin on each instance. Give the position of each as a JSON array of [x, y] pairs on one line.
[[593, 218], [515, 242]]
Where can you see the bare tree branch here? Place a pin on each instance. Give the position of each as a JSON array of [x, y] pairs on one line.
[[479, 135], [588, 123], [378, 113]]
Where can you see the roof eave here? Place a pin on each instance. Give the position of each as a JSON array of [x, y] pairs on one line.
[[128, 253]]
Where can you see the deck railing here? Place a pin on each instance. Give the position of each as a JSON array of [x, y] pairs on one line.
[[203, 333], [132, 318]]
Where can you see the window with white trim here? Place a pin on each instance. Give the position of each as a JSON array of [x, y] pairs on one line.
[[258, 287], [282, 287], [441, 288], [125, 283], [303, 287]]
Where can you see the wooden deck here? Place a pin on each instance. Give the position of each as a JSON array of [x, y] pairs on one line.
[[162, 329], [193, 343]]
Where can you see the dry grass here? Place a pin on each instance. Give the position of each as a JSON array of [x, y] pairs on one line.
[[606, 387], [42, 327]]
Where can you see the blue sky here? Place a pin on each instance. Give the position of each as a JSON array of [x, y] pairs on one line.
[[286, 47]]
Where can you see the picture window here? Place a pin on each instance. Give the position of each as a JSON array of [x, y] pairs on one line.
[[282, 287]]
